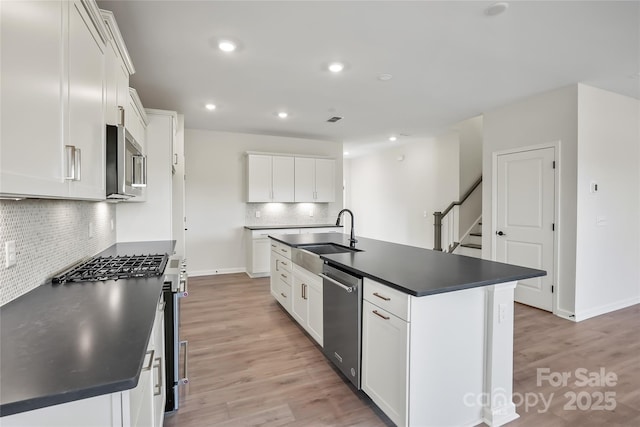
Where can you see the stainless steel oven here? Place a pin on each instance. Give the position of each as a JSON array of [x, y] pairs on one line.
[[176, 350], [342, 321]]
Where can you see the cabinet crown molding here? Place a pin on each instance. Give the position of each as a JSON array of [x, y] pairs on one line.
[[113, 31], [136, 100]]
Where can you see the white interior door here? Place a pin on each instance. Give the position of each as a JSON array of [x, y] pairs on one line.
[[525, 220]]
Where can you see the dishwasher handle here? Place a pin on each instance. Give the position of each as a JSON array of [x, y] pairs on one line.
[[335, 282]]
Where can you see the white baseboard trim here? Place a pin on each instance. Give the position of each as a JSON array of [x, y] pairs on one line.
[[501, 415], [608, 308], [565, 314], [217, 271], [257, 275]]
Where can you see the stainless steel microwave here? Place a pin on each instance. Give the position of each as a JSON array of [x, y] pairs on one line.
[[126, 165]]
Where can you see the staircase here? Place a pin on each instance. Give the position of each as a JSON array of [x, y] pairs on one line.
[[471, 244]]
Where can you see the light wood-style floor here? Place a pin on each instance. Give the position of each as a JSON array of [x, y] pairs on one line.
[[251, 365]]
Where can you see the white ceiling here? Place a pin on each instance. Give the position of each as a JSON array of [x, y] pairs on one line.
[[448, 59]]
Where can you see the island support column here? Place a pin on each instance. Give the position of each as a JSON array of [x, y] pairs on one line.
[[499, 408]]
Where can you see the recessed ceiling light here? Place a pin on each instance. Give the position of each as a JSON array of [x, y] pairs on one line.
[[393, 138], [384, 77], [283, 114], [226, 45], [336, 67], [496, 8], [210, 107]]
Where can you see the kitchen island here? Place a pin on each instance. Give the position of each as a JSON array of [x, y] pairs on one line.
[[437, 328], [79, 344]]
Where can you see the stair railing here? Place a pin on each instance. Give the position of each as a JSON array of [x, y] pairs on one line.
[[440, 216]]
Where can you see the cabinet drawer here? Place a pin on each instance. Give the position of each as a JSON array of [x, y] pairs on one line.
[[258, 234], [389, 299], [282, 263], [281, 249]]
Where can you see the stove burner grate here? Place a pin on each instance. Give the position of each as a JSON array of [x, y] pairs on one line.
[[114, 268]]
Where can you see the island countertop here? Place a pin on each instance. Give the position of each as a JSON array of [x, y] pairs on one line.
[[415, 271], [72, 341]]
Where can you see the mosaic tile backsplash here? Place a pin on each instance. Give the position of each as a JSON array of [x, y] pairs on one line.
[[50, 235], [288, 214]]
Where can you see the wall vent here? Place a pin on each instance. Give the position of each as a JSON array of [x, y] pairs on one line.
[[334, 119]]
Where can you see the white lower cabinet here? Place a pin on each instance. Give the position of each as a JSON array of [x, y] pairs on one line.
[[385, 354], [142, 406], [307, 301]]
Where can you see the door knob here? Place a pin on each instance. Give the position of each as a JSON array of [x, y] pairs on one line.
[[500, 233]]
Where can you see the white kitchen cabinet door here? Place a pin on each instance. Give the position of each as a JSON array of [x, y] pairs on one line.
[[305, 180], [117, 66], [31, 139], [315, 310], [136, 121], [159, 389], [282, 169], [259, 184], [315, 180], [385, 352], [299, 304], [275, 265], [86, 103], [261, 256], [325, 180]]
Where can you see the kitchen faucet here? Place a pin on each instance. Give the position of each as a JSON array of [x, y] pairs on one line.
[[352, 239]]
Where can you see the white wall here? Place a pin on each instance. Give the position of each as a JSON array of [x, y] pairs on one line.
[[608, 231], [215, 192], [543, 118], [389, 197], [471, 134]]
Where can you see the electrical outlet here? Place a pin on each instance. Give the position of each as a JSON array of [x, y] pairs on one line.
[[257, 214], [10, 255], [310, 212], [112, 225], [91, 230]]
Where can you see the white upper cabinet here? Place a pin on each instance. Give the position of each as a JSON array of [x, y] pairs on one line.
[[282, 173], [31, 161], [52, 136], [118, 67], [270, 178], [136, 120], [315, 180], [86, 104]]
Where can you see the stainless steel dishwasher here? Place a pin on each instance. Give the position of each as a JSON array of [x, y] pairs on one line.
[[342, 321]]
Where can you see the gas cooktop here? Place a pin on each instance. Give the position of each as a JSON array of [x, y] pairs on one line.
[[114, 268]]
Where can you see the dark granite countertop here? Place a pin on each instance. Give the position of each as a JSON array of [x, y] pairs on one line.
[[276, 227], [77, 340], [415, 271]]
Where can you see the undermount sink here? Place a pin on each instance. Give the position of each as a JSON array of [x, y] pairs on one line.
[[328, 248]]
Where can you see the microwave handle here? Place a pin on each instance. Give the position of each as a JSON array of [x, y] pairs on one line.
[[139, 178]]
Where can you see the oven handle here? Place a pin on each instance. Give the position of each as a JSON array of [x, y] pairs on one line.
[[335, 282], [185, 379]]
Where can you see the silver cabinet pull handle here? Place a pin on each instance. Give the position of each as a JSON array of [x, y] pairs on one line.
[[148, 367], [380, 315], [283, 275], [185, 379], [273, 246], [283, 250], [175, 158], [335, 282], [77, 164], [302, 285], [282, 293], [277, 262], [158, 386], [381, 297], [72, 163], [121, 114], [284, 263]]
